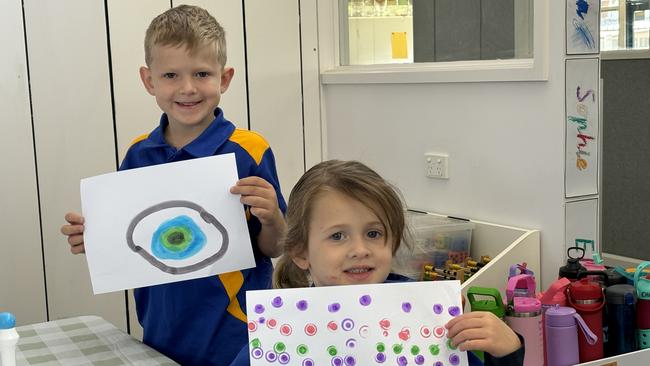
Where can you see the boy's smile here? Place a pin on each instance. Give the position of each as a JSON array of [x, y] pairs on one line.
[[347, 243], [187, 86]]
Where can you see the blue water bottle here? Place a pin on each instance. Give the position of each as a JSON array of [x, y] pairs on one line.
[[621, 301]]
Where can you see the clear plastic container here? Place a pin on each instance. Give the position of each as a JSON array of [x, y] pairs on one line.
[[435, 239]]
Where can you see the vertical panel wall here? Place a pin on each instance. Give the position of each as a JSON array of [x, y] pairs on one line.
[[74, 137], [273, 44], [22, 286]]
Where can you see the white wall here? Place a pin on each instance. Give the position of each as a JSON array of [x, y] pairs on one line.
[[505, 142]]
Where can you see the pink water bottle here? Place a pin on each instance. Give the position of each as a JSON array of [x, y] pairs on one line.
[[587, 298], [561, 335], [524, 316]]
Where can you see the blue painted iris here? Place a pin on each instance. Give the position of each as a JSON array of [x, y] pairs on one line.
[[177, 238]]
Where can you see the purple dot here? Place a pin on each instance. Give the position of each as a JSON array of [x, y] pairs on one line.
[[437, 308], [402, 361], [307, 362], [284, 358], [302, 305], [277, 302], [380, 357], [454, 359], [406, 306], [439, 363], [454, 310], [334, 307], [337, 361], [259, 308], [271, 356], [347, 324], [419, 360], [261, 320], [257, 353], [365, 300], [350, 361]]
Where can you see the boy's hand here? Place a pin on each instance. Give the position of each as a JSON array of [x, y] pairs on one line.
[[482, 331], [74, 231], [260, 195]]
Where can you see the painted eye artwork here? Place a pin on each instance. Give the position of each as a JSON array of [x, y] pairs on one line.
[[182, 237]]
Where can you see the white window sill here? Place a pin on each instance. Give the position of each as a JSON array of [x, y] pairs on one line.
[[625, 54], [438, 72]]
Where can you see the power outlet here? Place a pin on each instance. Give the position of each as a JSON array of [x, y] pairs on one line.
[[436, 165]]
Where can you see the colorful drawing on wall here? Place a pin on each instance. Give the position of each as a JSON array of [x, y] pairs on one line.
[[392, 324], [581, 229], [155, 225], [582, 124], [582, 27]]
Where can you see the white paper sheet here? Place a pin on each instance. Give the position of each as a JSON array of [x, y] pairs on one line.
[[391, 324], [164, 223]]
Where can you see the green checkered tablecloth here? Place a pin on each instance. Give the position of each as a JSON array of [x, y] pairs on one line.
[[84, 340]]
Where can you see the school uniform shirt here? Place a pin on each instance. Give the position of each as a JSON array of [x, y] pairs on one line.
[[203, 321], [516, 358]]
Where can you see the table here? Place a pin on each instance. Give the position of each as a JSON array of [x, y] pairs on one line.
[[84, 340]]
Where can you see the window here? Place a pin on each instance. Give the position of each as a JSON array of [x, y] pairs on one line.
[[423, 41], [624, 25]]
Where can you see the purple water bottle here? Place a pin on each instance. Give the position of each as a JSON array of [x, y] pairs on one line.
[[561, 335]]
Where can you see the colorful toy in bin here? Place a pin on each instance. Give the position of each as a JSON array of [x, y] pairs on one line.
[[642, 286]]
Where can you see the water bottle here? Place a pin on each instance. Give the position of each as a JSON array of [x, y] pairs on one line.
[[588, 299], [642, 285], [552, 297], [572, 267], [561, 335], [485, 299], [8, 339], [524, 316], [621, 318]]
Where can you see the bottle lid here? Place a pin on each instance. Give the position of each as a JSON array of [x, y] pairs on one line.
[[620, 294], [585, 289], [527, 305], [7, 321], [560, 316], [572, 267]]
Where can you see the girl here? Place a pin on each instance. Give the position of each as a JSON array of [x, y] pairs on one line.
[[345, 223]]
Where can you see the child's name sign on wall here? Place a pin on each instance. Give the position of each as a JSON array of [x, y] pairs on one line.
[[164, 223], [383, 324]]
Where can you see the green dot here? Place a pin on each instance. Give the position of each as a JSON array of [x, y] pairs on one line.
[[415, 350], [302, 349], [332, 350], [450, 345], [255, 343], [380, 347], [397, 349], [176, 238], [434, 349], [279, 347]]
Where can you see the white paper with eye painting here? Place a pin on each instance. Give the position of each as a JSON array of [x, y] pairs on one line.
[[392, 324], [164, 223]]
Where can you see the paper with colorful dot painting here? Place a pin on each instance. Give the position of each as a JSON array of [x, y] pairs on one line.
[[383, 324]]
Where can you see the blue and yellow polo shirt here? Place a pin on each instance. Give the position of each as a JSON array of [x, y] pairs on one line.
[[203, 321]]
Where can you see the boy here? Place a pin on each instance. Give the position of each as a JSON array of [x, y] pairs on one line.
[[201, 321]]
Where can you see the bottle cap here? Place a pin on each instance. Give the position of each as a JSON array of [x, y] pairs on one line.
[[560, 316], [572, 267], [585, 289], [618, 294], [7, 321]]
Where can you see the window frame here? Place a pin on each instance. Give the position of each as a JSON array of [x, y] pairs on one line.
[[621, 53], [525, 69]]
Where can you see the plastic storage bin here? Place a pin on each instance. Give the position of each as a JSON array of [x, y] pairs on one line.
[[435, 239]]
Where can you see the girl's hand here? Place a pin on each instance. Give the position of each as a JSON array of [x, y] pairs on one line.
[[482, 331]]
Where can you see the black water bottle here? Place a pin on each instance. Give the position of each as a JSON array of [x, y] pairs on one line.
[[572, 267]]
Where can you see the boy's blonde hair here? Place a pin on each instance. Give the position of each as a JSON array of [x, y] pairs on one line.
[[185, 25], [351, 178]]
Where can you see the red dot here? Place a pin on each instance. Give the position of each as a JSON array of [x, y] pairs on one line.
[[271, 323], [252, 326], [285, 329], [332, 326], [310, 329]]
